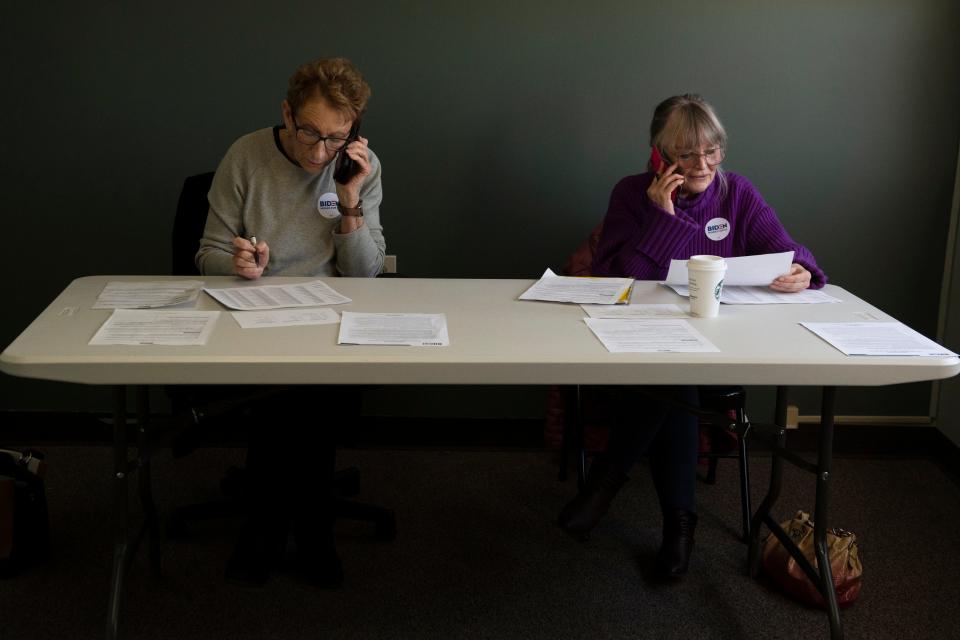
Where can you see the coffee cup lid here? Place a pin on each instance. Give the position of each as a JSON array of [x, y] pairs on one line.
[[709, 263]]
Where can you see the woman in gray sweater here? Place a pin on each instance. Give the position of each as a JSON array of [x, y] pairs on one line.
[[281, 203]]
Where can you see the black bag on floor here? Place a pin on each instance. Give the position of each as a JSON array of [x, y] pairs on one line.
[[24, 524]]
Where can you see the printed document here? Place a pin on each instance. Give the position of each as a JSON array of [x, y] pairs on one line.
[[411, 329], [553, 288], [648, 336], [136, 327], [148, 295], [277, 296], [741, 271], [764, 295], [634, 311], [876, 339], [285, 318]]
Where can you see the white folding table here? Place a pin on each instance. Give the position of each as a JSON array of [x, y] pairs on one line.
[[495, 339]]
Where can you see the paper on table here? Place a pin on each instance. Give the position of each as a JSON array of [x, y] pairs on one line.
[[634, 311], [876, 339], [410, 329], [277, 296], [147, 295], [763, 295], [743, 270], [137, 327], [553, 288], [285, 318], [648, 336]]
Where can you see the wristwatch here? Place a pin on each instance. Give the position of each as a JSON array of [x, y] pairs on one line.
[[356, 212]]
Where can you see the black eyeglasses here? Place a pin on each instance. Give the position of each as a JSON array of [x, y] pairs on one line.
[[310, 137]]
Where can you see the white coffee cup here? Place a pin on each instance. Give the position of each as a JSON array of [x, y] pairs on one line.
[[706, 282]]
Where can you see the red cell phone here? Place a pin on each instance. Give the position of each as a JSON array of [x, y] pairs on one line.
[[659, 164]]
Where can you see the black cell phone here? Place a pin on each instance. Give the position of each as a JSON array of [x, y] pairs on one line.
[[346, 167]]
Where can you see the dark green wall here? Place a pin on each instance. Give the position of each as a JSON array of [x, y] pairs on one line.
[[501, 126]]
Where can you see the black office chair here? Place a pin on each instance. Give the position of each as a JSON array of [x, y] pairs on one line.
[[220, 408], [722, 412]]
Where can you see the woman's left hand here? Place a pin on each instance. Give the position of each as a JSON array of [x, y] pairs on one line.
[[797, 280]]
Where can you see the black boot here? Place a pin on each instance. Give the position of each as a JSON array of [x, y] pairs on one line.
[[584, 512], [674, 557]]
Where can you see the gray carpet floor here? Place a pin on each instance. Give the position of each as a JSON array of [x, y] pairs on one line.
[[478, 556]]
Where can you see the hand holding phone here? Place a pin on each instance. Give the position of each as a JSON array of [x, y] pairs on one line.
[[659, 167], [663, 188], [346, 166]]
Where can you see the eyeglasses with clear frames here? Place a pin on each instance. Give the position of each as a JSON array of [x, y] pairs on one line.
[[712, 156], [309, 137]]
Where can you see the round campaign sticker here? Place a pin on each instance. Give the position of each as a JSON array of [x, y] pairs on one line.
[[717, 228], [327, 206]]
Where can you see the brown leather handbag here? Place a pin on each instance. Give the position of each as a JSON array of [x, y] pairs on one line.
[[841, 550]]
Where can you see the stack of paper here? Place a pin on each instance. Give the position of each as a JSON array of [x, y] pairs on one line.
[[137, 327], [285, 318], [148, 295], [649, 336], [553, 288], [747, 281], [876, 339], [407, 329], [634, 311], [277, 296]]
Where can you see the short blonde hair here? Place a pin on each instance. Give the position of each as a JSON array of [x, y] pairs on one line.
[[335, 80]]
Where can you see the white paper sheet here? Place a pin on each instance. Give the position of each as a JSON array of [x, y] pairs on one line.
[[741, 271], [285, 318], [876, 339], [148, 295], [167, 327], [410, 329], [277, 296], [553, 288], [648, 336], [763, 295], [634, 311]]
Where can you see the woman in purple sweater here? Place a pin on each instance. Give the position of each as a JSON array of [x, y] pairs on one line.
[[686, 205]]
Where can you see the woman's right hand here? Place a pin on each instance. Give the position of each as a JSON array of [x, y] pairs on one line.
[[662, 185], [249, 261]]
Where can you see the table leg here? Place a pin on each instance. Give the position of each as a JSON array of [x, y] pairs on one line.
[[773, 492], [822, 576], [744, 466], [567, 398], [580, 438], [120, 508], [824, 460], [123, 548], [144, 483]]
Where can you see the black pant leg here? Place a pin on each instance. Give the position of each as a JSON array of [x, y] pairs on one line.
[[673, 455], [640, 413]]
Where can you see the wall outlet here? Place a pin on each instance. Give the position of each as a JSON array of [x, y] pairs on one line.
[[389, 264]]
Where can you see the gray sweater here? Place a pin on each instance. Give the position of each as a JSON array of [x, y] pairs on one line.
[[258, 192]]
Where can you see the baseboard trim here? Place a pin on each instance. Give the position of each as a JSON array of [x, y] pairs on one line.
[[794, 419]]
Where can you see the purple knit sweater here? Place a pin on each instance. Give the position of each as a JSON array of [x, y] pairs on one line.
[[639, 238]]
